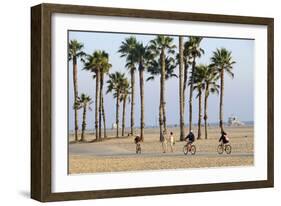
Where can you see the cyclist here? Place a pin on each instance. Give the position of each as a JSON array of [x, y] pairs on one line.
[[224, 138], [137, 142], [190, 138]]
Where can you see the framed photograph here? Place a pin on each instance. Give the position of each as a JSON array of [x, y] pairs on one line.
[[130, 102]]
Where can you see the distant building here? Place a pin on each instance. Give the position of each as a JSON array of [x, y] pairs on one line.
[[114, 126], [234, 121]]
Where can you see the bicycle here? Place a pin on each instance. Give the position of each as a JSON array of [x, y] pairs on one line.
[[189, 147], [224, 147], [138, 148]]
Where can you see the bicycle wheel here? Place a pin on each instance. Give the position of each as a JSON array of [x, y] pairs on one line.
[[228, 149], [193, 149], [185, 150], [220, 149]]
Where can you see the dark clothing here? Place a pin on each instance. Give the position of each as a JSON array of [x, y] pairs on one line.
[[137, 139], [224, 139], [190, 137]]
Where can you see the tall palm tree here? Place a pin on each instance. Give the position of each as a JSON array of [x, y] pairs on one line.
[[154, 69], [143, 57], [103, 117], [160, 47], [104, 70], [186, 62], [115, 85], [181, 95], [74, 53], [84, 102], [194, 51], [222, 61], [210, 86], [95, 63], [128, 50], [198, 84], [124, 97]]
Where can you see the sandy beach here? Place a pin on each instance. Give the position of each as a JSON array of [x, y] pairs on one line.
[[119, 154]]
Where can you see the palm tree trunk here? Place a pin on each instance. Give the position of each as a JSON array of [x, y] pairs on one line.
[[161, 121], [163, 72], [132, 101], [181, 88], [75, 87], [191, 95], [221, 98], [100, 103], [103, 117], [205, 111], [200, 114], [164, 109], [160, 112], [97, 105], [142, 102], [185, 77], [83, 122], [123, 116], [117, 114]]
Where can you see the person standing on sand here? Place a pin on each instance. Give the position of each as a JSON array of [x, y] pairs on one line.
[[171, 141], [163, 140]]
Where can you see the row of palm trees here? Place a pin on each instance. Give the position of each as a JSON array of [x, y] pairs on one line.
[[119, 85], [158, 57], [98, 65]]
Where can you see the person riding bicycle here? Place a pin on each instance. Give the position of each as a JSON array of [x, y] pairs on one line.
[[224, 138], [190, 138], [137, 140]]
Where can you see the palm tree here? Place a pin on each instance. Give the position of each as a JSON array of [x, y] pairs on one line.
[[74, 53], [143, 57], [115, 85], [181, 95], [84, 102], [154, 69], [222, 61], [104, 70], [95, 63], [160, 47], [198, 84], [210, 86], [103, 117], [186, 62], [194, 51], [128, 50], [124, 97]]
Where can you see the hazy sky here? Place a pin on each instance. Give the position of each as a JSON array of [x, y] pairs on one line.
[[238, 98]]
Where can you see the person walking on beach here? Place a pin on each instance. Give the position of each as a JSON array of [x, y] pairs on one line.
[[163, 140], [171, 141]]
